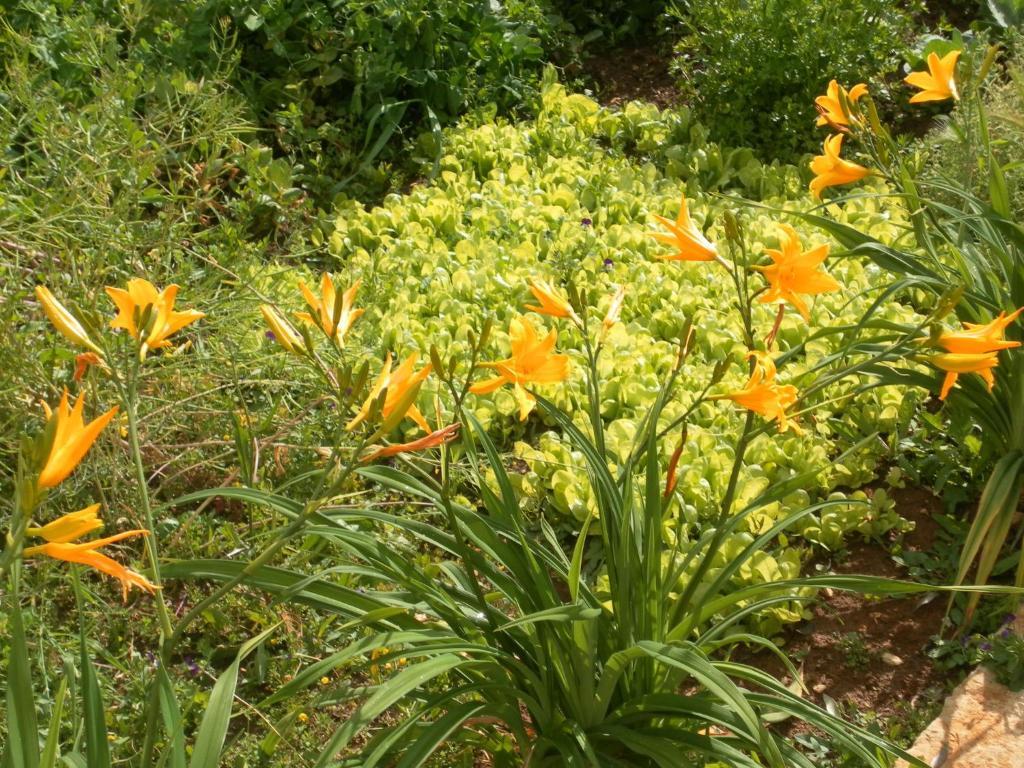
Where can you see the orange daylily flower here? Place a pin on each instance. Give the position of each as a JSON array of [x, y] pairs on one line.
[[72, 438], [86, 554], [284, 333], [795, 271], [939, 82], [830, 106], [955, 364], [69, 527], [763, 396], [398, 384], [831, 170], [533, 361], [326, 315], [63, 320], [162, 322], [551, 302], [83, 361], [684, 235], [434, 439], [980, 338]]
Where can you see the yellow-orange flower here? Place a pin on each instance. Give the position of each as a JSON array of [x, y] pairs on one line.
[[72, 439], [795, 271], [955, 364], [284, 333], [326, 315], [684, 235], [86, 554], [83, 361], [763, 396], [939, 82], [830, 106], [551, 301], [980, 338], [63, 320], [831, 170], [162, 321], [69, 527], [399, 385], [434, 439], [533, 361]]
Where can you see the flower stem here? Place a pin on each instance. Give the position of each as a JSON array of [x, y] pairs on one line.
[[131, 406]]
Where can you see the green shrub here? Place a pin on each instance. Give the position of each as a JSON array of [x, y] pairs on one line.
[[610, 22], [339, 83], [752, 70]]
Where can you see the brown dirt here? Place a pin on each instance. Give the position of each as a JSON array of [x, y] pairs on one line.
[[633, 74], [852, 669]]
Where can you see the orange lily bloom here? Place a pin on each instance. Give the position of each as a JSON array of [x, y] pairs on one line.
[[830, 106], [63, 320], [684, 235], [86, 554], [763, 396], [284, 333], [69, 527], [955, 364], [83, 361], [398, 384], [980, 338], [831, 170], [325, 314], [533, 361], [72, 439], [551, 302], [434, 439], [163, 321], [795, 271], [939, 82]]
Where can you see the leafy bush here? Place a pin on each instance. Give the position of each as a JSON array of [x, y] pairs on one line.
[[610, 22], [339, 83], [752, 70]]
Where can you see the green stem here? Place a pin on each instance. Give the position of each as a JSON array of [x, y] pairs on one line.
[[131, 406], [724, 512]]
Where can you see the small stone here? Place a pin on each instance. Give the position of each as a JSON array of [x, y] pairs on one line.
[[891, 659], [820, 688]]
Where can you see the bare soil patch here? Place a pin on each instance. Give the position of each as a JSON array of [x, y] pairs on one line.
[[633, 74], [869, 654]]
